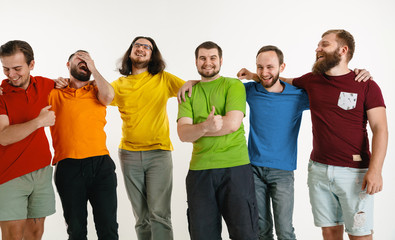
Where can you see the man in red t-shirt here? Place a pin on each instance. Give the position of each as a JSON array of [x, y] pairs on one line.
[[26, 193], [343, 174]]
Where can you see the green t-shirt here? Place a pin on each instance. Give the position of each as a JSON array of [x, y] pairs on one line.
[[230, 150]]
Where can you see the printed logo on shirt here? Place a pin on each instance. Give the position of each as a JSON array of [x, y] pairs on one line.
[[347, 101], [356, 157]]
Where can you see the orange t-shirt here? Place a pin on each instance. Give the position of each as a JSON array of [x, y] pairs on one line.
[[79, 127]]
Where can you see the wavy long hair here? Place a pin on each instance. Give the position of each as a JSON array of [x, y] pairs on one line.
[[155, 65]]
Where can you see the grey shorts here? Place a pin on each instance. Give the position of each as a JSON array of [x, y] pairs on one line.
[[28, 196]]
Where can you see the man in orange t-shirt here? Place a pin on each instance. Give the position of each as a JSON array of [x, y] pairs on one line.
[[84, 170]]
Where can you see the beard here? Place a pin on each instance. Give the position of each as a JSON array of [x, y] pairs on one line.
[[210, 75], [269, 85], [80, 75], [24, 81], [329, 61], [140, 64]]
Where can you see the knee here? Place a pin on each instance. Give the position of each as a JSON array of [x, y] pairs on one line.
[[35, 234], [334, 233]]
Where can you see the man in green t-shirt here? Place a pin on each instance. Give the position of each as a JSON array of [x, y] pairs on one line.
[[220, 180]]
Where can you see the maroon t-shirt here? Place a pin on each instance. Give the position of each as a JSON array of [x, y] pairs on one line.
[[338, 106]]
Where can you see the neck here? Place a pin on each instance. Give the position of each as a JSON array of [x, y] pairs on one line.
[[340, 69], [205, 79], [136, 71], [75, 83]]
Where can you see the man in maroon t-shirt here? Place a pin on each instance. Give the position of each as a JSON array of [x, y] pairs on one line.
[[343, 174]]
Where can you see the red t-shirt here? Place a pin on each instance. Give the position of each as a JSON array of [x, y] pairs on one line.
[[31, 153], [338, 106]]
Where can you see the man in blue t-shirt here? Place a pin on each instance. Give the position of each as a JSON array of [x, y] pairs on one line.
[[275, 116]]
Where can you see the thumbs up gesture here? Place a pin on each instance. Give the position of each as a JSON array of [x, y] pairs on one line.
[[46, 117], [214, 122]]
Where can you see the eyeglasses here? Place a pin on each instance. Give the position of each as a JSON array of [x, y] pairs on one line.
[[145, 46]]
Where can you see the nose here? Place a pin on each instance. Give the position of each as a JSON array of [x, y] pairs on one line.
[[12, 74]]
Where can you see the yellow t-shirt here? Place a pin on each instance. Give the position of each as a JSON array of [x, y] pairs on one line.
[[141, 99], [79, 127]]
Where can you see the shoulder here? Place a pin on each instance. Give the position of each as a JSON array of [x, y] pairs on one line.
[[170, 76], [307, 76], [44, 80], [232, 81], [293, 89]]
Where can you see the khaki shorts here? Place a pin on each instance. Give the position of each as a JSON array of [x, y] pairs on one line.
[[28, 196]]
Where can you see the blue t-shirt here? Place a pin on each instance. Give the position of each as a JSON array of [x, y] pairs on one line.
[[274, 125]]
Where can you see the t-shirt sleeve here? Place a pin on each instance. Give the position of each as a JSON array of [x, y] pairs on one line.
[[247, 86], [374, 97], [174, 83], [301, 82], [116, 95], [305, 100], [3, 108], [236, 97], [48, 84], [185, 108]]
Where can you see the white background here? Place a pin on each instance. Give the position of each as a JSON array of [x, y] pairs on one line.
[[55, 29]]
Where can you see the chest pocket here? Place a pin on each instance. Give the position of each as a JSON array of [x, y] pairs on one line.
[[347, 101]]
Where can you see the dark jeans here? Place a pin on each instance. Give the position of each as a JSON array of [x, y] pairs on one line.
[[275, 187], [93, 179], [228, 192]]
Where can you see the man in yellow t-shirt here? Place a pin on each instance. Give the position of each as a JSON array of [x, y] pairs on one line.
[[84, 169], [145, 151]]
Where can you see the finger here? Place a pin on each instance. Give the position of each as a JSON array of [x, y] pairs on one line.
[[366, 78], [178, 98], [241, 72], [47, 107], [212, 111], [183, 96], [364, 183], [369, 189], [190, 93]]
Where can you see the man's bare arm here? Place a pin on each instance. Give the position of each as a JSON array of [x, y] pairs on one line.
[[231, 123], [10, 134], [189, 132], [105, 90], [373, 180]]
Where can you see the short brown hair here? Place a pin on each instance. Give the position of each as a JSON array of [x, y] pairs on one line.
[[275, 49], [343, 37], [12, 47], [208, 45]]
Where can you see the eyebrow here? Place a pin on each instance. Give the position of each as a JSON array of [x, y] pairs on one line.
[[12, 67]]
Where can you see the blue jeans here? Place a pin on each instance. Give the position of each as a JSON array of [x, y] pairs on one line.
[[148, 179], [277, 185]]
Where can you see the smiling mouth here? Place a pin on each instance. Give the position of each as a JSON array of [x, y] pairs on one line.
[[266, 79], [319, 57]]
